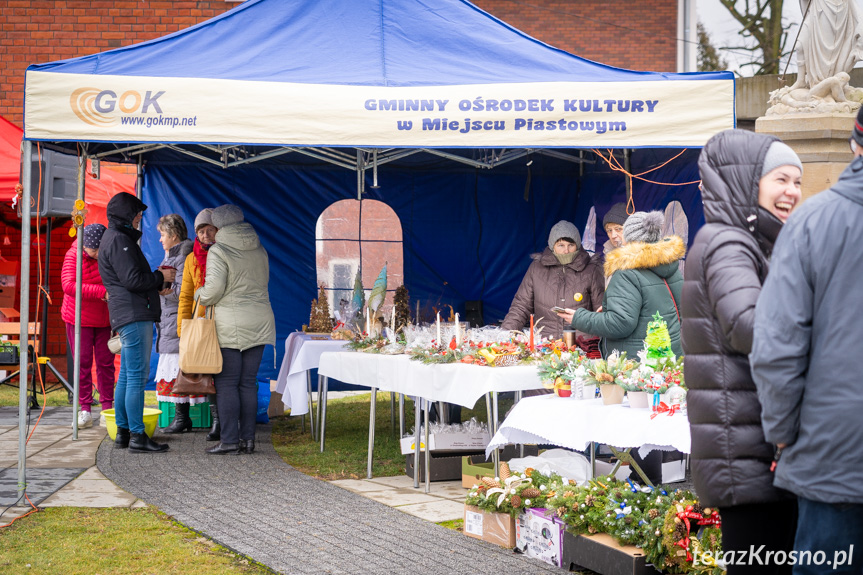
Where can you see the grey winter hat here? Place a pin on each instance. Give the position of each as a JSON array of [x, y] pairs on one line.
[[93, 236], [644, 227], [227, 215], [616, 215], [204, 218], [779, 154], [563, 229]]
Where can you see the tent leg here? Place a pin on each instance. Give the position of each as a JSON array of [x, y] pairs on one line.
[[23, 365], [79, 262]]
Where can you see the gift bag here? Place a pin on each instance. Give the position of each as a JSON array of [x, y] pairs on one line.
[[199, 344], [194, 384]]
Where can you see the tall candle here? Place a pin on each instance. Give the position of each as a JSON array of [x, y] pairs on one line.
[[530, 344], [393, 321], [368, 321], [417, 317], [438, 328], [457, 331]]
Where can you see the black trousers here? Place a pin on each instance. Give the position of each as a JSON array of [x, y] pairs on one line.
[[237, 393], [745, 528]]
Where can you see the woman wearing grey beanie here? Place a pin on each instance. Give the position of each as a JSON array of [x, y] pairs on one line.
[[563, 275]]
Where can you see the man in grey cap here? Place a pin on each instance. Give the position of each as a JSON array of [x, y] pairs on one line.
[[613, 225], [804, 358]]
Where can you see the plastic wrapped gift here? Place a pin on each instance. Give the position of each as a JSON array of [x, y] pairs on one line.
[[676, 395]]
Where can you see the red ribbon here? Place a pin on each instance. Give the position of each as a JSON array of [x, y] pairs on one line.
[[685, 516], [663, 408]]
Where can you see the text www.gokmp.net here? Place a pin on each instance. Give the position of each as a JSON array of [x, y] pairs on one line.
[[760, 556], [154, 121]]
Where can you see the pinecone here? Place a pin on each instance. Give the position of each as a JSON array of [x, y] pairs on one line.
[[698, 508], [515, 501], [561, 511], [591, 529], [505, 473], [589, 500], [653, 513], [618, 495], [531, 493], [490, 482], [680, 531], [568, 493]]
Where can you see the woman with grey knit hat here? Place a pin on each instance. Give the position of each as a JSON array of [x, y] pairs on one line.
[[563, 275], [750, 184], [238, 271], [645, 279]]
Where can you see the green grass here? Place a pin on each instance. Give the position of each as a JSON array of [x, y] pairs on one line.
[[455, 524], [346, 446], [118, 541]]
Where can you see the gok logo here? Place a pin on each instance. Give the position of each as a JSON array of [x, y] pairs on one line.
[[97, 107]]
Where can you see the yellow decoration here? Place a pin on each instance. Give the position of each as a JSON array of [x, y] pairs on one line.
[[73, 232], [578, 297], [80, 205]]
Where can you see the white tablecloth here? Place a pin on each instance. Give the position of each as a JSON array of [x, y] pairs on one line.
[[458, 383], [302, 353], [575, 423]]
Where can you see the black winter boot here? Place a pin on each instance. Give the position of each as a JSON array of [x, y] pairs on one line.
[[223, 448], [121, 440], [141, 443], [247, 446], [215, 433], [182, 421]]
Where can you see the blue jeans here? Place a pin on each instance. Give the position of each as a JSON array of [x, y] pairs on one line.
[[831, 534], [137, 341]]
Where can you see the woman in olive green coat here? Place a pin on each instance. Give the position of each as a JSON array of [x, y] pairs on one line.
[[645, 279]]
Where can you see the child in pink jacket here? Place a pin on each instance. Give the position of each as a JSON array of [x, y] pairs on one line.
[[95, 325]]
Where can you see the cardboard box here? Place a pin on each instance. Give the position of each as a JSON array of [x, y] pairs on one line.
[[539, 535], [276, 406], [443, 466], [473, 465], [602, 554], [448, 442], [497, 528]]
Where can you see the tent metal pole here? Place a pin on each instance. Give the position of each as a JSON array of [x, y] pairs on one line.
[[359, 174], [143, 147], [79, 285], [139, 177], [567, 157], [24, 356]]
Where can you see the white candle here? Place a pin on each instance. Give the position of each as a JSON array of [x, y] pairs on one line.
[[457, 331], [438, 328], [368, 321], [393, 322]]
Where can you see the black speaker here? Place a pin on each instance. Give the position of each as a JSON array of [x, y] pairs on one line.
[[473, 313], [58, 174]]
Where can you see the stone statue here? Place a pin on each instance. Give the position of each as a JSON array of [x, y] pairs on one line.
[[831, 43]]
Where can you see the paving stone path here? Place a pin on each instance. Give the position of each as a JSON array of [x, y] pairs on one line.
[[261, 507]]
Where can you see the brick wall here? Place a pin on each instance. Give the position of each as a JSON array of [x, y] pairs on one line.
[[636, 35]]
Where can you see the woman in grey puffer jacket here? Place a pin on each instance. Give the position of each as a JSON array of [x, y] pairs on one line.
[[750, 184], [174, 238]]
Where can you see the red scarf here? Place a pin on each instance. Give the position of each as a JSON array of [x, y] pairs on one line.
[[200, 251]]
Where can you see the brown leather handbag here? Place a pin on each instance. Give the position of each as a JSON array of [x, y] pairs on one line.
[[194, 384]]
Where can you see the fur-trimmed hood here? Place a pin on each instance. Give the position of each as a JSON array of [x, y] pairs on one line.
[[639, 255]]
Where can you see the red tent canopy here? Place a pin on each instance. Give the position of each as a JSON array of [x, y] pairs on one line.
[[98, 191]]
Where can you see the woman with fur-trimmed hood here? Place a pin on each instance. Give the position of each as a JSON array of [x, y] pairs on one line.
[[645, 279]]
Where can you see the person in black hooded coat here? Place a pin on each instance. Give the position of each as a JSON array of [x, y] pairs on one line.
[[133, 307], [750, 184]]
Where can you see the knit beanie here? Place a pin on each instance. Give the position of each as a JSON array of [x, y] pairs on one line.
[[779, 154], [204, 218], [857, 131], [563, 229], [616, 215], [93, 236], [227, 215], [644, 227]]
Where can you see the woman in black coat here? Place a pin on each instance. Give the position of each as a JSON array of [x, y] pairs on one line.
[[750, 184]]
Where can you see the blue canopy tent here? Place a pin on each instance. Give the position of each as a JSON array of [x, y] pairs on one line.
[[286, 107]]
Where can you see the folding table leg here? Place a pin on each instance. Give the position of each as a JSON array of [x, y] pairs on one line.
[[624, 455], [401, 415], [324, 382], [392, 412], [520, 445], [496, 452], [416, 442], [311, 398], [428, 450], [372, 410], [592, 459]]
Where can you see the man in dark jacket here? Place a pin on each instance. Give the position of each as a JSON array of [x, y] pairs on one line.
[[726, 267], [805, 362], [133, 306]]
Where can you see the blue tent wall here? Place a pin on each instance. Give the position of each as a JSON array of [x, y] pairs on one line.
[[468, 234]]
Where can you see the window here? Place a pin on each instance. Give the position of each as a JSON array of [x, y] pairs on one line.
[[358, 234]]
